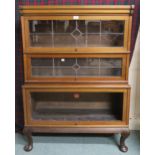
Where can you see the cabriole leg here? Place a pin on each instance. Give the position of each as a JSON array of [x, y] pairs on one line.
[[122, 146], [28, 134]]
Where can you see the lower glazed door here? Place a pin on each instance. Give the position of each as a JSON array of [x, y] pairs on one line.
[[49, 106]]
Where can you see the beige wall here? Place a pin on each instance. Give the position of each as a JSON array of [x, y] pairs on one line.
[[134, 81]]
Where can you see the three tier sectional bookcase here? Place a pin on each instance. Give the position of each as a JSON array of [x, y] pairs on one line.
[[76, 61]]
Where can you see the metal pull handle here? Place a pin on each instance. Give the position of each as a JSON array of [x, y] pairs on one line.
[[76, 95]]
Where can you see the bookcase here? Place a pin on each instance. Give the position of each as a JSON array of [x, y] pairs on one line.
[[76, 61]]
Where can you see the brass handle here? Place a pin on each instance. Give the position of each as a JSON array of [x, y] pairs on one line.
[[76, 95]]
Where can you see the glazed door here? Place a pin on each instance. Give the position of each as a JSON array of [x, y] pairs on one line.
[[78, 34], [75, 68], [70, 107]]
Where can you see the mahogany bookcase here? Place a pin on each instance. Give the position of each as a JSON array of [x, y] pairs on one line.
[[76, 61]]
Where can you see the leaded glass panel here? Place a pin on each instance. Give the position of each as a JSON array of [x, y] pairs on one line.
[[76, 67], [76, 33]]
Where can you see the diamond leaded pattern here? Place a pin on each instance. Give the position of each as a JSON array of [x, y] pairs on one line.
[[76, 67], [76, 33]]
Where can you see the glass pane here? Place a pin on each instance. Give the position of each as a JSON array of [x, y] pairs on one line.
[[42, 71], [64, 40], [40, 26], [63, 26], [94, 26], [41, 40], [111, 62], [63, 67], [63, 62], [76, 106], [91, 62], [42, 67], [76, 33], [76, 67], [40, 62], [88, 72]]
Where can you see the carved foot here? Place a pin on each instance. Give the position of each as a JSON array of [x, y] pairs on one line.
[[122, 146], [29, 146]]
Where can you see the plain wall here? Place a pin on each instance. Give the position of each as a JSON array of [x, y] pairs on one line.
[[134, 81]]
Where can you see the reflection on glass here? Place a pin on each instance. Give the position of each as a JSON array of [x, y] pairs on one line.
[[76, 106], [73, 33], [76, 67]]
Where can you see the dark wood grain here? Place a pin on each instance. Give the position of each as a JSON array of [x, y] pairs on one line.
[[124, 136]]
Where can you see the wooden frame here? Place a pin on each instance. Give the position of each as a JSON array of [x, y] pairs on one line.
[[30, 78], [73, 88], [29, 49], [77, 9]]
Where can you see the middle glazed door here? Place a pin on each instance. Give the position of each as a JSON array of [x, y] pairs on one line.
[[75, 67]]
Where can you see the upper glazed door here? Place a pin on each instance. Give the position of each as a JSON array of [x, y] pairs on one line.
[[79, 34]]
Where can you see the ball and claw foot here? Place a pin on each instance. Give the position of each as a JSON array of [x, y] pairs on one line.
[[122, 146], [28, 147]]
